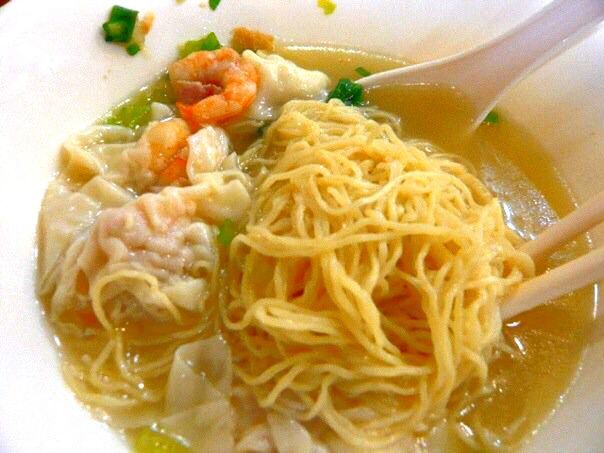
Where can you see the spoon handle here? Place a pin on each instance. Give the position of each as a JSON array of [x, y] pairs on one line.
[[486, 72], [509, 58]]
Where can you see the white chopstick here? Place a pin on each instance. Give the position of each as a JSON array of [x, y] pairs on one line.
[[586, 216], [559, 281], [570, 276]]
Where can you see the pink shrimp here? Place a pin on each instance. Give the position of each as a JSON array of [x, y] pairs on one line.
[[165, 140], [213, 87]]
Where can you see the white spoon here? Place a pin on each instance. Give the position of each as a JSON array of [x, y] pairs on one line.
[[486, 72]]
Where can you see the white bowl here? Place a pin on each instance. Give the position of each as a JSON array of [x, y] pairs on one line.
[[57, 76]]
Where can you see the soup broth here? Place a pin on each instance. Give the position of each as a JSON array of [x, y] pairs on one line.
[[545, 344]]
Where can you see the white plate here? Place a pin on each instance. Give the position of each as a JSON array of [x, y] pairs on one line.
[[57, 76]]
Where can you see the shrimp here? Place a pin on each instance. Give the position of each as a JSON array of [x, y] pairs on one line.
[[213, 87], [165, 139], [157, 156]]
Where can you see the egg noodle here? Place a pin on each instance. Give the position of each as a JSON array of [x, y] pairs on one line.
[[362, 292], [365, 288]]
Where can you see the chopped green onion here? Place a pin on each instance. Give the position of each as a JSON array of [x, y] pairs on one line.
[[208, 42], [131, 115], [226, 232], [214, 4], [491, 118], [120, 26], [327, 6], [136, 111], [349, 92], [362, 71], [149, 441], [133, 49], [121, 13], [115, 31]]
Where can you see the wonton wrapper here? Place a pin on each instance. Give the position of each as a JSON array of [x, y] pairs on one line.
[[64, 215], [198, 407], [96, 151], [197, 396], [208, 148], [158, 251], [281, 81]]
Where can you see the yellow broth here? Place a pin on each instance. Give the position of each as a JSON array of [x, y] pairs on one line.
[[548, 342]]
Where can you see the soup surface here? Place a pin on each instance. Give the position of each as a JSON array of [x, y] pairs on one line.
[[545, 344]]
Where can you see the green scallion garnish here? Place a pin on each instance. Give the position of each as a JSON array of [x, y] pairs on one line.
[[226, 232], [491, 118], [214, 4], [362, 71], [133, 49], [120, 26], [114, 31], [131, 115], [349, 92], [208, 42]]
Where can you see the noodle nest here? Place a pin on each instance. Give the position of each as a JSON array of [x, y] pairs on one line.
[[365, 288]]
